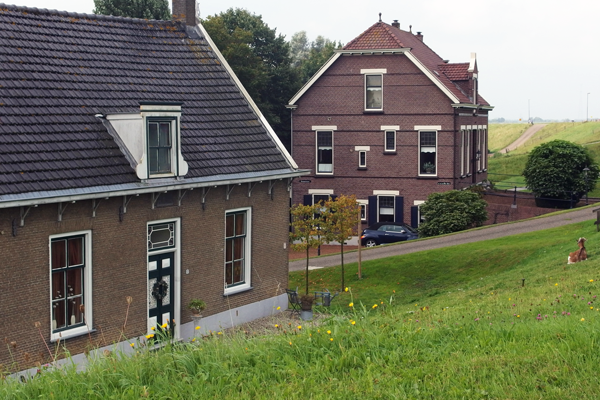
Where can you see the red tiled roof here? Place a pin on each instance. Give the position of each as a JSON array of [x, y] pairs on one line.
[[382, 36]]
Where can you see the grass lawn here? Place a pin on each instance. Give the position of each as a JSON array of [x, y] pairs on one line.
[[501, 135], [454, 323]]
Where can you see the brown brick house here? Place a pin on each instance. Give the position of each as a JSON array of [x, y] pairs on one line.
[[390, 121], [132, 163]]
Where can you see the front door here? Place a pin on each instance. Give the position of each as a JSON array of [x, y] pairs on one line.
[[160, 289]]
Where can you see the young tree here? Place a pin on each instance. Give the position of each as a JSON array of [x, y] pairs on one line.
[[556, 170], [340, 216], [146, 9], [452, 211], [306, 230]]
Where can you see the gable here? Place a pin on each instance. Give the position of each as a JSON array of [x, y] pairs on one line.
[[61, 70]]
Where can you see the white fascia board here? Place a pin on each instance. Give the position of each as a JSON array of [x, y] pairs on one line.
[[262, 118], [400, 50], [314, 78], [432, 77]]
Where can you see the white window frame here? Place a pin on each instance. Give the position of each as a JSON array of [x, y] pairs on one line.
[[379, 196], [372, 72], [87, 287], [361, 154], [418, 204], [240, 287], [484, 150], [386, 129], [331, 129], [364, 209], [173, 127], [427, 129]]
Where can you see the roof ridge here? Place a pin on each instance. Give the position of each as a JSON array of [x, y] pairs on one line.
[[71, 14], [387, 28]]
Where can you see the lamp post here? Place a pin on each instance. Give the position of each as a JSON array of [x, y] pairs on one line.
[[587, 108], [585, 176]]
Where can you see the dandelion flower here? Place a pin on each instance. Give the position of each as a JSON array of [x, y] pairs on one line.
[[194, 339], [518, 316], [353, 322], [197, 327], [299, 327], [556, 284], [164, 325], [346, 289], [219, 333], [591, 308], [276, 326], [152, 328], [329, 332], [331, 339], [290, 343], [351, 305], [279, 308], [374, 305], [132, 344], [150, 336], [582, 319]]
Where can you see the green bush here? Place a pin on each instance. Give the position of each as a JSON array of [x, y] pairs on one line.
[[556, 170], [452, 211]]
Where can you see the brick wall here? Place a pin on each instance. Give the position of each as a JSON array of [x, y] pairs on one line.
[[409, 99], [119, 251]]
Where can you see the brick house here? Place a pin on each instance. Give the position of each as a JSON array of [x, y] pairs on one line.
[[390, 121], [132, 163]]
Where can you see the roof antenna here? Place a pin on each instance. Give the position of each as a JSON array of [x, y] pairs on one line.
[[379, 17]]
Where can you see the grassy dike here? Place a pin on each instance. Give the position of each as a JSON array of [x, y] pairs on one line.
[[454, 323]]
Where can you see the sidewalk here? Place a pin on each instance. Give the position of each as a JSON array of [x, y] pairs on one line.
[[475, 235]]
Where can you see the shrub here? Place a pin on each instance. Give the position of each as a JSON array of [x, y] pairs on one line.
[[555, 170], [452, 211]]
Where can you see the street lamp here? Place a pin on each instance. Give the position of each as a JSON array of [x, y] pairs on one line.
[[585, 176]]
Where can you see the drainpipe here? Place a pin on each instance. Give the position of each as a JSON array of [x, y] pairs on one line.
[[291, 107]]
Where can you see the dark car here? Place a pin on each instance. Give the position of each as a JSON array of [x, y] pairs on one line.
[[387, 232]]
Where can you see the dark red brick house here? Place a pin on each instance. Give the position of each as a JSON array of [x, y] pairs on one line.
[[390, 121], [132, 164]]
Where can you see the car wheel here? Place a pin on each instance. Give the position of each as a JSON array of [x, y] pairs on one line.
[[370, 243]]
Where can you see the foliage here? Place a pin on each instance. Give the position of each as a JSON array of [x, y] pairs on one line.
[[261, 60], [342, 215], [146, 9], [306, 230], [197, 306], [307, 56], [555, 170], [467, 329], [451, 211]]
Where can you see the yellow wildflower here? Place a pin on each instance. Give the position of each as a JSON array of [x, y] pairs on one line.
[[150, 336], [351, 305], [374, 305], [197, 327], [329, 332], [279, 308], [345, 290], [353, 322], [331, 339], [132, 344], [583, 319], [299, 327]]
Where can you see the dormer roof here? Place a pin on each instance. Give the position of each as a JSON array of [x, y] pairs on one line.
[[62, 72]]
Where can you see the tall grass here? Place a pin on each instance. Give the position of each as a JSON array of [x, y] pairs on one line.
[[454, 323], [501, 135]]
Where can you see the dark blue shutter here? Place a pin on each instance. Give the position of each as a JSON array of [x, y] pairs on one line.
[[308, 200], [399, 209], [372, 212], [333, 196], [414, 216]]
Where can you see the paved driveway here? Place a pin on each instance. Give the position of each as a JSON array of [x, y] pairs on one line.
[[488, 232]]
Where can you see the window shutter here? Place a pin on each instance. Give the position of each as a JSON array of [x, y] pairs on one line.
[[308, 200], [414, 216], [333, 197], [399, 209], [372, 212]]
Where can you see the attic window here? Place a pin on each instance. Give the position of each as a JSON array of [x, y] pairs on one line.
[[160, 148], [373, 89]]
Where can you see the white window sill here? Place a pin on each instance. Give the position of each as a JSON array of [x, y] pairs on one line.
[[71, 333], [237, 289]]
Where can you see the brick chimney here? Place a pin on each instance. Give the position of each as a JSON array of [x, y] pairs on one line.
[[186, 11], [419, 36], [396, 24]]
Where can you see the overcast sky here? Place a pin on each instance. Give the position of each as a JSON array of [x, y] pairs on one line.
[[537, 58]]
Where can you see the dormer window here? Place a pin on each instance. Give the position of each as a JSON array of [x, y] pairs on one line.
[[160, 147]]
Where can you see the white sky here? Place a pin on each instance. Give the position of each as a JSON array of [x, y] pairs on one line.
[[535, 57]]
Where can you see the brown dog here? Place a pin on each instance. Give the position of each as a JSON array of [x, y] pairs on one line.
[[579, 255]]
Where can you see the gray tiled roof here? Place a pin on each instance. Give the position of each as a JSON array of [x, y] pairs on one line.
[[60, 69]]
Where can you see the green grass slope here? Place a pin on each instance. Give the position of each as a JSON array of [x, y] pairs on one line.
[[501, 135], [454, 323]]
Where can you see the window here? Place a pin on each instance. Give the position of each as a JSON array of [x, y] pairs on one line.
[[159, 147], [374, 92], [237, 250], [427, 153], [386, 208], [363, 212], [463, 143], [362, 159], [70, 285], [390, 140], [324, 152]]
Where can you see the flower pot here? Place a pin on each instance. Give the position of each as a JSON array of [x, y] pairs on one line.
[[306, 315]]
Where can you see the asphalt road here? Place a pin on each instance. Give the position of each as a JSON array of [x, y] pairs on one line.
[[485, 233]]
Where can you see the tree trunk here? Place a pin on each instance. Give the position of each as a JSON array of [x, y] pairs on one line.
[[343, 286], [307, 247]]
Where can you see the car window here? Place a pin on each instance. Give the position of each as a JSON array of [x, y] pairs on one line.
[[384, 228]]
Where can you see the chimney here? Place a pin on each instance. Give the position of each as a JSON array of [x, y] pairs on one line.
[[396, 24], [419, 36], [186, 11]]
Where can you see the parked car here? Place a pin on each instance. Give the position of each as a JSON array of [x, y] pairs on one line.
[[387, 232]]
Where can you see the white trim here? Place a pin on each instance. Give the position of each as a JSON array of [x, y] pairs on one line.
[[320, 191], [418, 202], [317, 172], [247, 252], [176, 272], [87, 286], [314, 78], [374, 71], [386, 193], [428, 127], [385, 149], [425, 129], [432, 76], [359, 159], [253, 105], [324, 128], [390, 127], [362, 148], [365, 92]]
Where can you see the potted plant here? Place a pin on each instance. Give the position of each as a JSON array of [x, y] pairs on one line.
[[306, 303], [429, 167], [196, 306]]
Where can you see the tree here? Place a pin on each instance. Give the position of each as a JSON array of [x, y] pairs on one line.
[[309, 57], [261, 60], [341, 216], [556, 170], [146, 9], [306, 230], [452, 211]]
